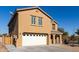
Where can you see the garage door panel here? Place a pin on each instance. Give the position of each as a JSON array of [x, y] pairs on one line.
[[34, 40]]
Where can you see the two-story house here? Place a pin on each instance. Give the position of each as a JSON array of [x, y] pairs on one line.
[[33, 26]]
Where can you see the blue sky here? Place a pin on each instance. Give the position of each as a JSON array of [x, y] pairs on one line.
[[67, 17]]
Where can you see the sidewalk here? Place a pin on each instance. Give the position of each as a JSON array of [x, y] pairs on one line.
[[10, 48]]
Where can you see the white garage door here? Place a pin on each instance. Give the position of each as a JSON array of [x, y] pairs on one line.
[[33, 40]]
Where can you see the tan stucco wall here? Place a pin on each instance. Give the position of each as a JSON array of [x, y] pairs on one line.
[[56, 26], [25, 22]]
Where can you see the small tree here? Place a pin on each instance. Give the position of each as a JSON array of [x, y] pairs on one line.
[[77, 32], [65, 34], [72, 37], [61, 30], [5, 34]]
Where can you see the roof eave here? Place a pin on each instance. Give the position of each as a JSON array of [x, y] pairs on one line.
[[18, 10]]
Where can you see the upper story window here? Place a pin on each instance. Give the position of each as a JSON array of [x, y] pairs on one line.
[[40, 21], [53, 26], [33, 20]]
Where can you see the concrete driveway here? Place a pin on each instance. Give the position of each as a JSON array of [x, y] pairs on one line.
[[52, 48]]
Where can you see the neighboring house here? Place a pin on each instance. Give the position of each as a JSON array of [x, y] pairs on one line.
[[33, 26]]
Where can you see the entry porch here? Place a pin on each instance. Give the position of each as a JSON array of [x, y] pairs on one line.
[[56, 37]]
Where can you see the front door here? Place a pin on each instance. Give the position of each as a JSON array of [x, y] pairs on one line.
[[57, 39], [14, 42]]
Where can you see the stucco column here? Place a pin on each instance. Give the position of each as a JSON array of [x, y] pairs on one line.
[[19, 41], [53, 38], [49, 40], [60, 39]]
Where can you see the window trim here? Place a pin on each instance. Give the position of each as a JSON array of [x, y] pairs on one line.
[[33, 21], [53, 28], [40, 22]]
